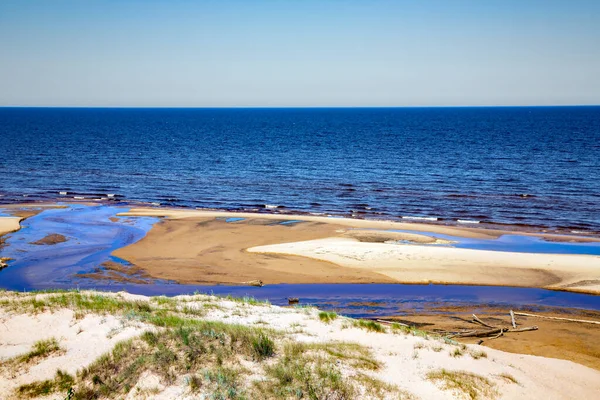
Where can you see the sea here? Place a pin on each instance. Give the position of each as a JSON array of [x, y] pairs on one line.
[[535, 167]]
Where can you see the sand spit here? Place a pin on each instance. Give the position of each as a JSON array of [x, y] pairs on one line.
[[430, 264], [251, 349]]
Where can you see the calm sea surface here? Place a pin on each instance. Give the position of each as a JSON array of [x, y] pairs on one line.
[[531, 166]]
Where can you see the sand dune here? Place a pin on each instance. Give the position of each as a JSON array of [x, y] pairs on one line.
[[404, 360]]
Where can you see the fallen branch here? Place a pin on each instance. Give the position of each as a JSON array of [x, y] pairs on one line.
[[529, 328], [558, 318], [498, 335], [482, 323], [480, 333], [512, 317], [392, 322]]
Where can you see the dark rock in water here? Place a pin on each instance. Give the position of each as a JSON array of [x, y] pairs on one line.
[[293, 300]]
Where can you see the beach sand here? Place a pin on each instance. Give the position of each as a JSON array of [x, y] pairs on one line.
[[9, 224], [195, 247], [567, 340], [406, 359], [201, 250]]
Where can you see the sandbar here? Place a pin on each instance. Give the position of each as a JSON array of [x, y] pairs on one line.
[[192, 246]]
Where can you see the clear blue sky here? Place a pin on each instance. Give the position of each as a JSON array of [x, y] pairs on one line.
[[299, 52]]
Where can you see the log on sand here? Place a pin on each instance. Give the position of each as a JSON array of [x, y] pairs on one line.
[[585, 321]]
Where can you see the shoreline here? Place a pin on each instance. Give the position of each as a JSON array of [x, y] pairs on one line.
[[200, 247], [483, 227]]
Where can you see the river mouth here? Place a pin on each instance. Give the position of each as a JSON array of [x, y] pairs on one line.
[[91, 233], [88, 235]]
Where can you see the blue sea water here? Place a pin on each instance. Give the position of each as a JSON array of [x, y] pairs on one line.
[[537, 166]]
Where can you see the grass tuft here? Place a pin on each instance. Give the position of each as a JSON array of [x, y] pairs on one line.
[[40, 349], [508, 377], [61, 382], [477, 354], [457, 352], [471, 385], [263, 347], [369, 325], [327, 317]]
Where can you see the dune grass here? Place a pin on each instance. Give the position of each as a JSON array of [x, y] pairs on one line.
[[40, 349], [327, 317], [369, 325], [212, 357], [62, 382], [469, 384]]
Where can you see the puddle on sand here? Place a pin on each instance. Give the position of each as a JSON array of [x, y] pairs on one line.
[[515, 243], [230, 219], [91, 237]]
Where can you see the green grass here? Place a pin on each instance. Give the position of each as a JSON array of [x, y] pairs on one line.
[[40, 349], [61, 383], [262, 346], [327, 317], [369, 325], [471, 385]]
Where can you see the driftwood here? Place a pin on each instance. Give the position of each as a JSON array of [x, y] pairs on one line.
[[258, 283], [498, 335], [585, 321], [529, 328], [383, 321], [293, 300], [512, 318], [480, 333], [482, 323]]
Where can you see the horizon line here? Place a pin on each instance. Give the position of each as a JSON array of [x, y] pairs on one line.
[[304, 107]]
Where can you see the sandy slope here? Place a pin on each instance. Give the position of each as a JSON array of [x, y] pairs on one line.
[[423, 264], [406, 358]]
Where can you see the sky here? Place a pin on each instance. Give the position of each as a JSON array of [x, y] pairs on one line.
[[306, 53]]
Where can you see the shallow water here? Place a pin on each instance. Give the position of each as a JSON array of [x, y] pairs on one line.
[[372, 300], [515, 243], [91, 238]]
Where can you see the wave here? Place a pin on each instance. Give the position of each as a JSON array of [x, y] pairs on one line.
[[419, 218]]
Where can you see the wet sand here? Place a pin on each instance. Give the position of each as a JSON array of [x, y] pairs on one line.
[[48, 240], [466, 232], [194, 247], [206, 250], [574, 341]]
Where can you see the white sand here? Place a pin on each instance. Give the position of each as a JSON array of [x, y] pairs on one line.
[[404, 363], [9, 224], [438, 264]]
